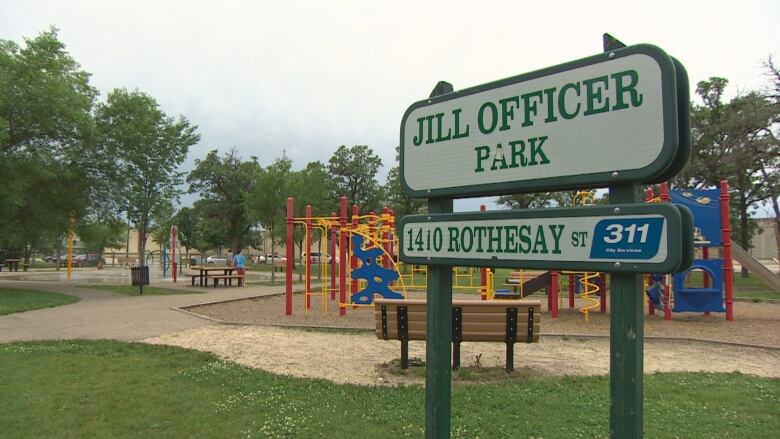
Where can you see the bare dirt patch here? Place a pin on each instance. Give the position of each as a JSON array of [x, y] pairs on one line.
[[754, 323], [357, 357]]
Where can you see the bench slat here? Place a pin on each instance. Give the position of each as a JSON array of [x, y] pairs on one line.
[[500, 336], [498, 328], [479, 317], [495, 307]]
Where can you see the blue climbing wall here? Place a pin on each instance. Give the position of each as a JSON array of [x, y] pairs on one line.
[[705, 205], [377, 277]]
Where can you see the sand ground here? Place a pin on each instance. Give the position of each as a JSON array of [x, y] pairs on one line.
[[256, 339]]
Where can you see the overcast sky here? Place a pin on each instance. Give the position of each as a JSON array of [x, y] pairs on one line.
[[306, 77]]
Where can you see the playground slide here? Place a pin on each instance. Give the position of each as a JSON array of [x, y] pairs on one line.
[[757, 268], [536, 284]]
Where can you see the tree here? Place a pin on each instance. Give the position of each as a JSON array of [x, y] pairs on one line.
[[160, 226], [537, 200], [45, 139], [267, 201], [309, 186], [99, 235], [394, 195], [732, 141], [773, 138], [146, 147], [187, 224], [353, 173], [223, 184]]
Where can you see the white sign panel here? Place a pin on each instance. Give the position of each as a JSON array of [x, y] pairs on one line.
[[595, 121], [578, 238]]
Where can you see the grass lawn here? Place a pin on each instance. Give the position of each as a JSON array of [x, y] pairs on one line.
[[129, 290], [13, 300], [112, 389]]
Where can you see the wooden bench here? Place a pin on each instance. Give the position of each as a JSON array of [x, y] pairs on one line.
[[507, 321], [227, 279], [194, 276], [280, 265]]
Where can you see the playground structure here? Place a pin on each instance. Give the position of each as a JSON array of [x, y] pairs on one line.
[[712, 229], [366, 255], [367, 245], [373, 242]]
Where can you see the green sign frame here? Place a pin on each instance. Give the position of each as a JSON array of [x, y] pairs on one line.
[[676, 235], [683, 124], [662, 165]]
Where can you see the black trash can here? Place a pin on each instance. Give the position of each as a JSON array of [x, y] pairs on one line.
[[193, 262], [139, 275]]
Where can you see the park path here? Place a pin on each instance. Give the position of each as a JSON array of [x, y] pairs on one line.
[[107, 315]]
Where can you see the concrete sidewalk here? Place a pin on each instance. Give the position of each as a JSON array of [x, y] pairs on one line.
[[106, 315]]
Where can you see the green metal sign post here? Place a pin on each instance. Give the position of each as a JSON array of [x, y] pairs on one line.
[[626, 340], [438, 347], [617, 119]]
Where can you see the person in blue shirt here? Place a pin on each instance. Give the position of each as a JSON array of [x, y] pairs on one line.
[[239, 262]]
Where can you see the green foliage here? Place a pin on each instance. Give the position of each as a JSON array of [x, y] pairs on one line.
[[538, 200], [182, 393], [187, 221], [160, 226], [45, 98], [734, 141], [309, 186], [142, 148], [223, 184], [268, 200], [45, 139], [99, 235], [394, 195], [353, 173], [14, 300]]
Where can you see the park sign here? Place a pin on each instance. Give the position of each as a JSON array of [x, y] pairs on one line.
[[598, 121], [638, 238]]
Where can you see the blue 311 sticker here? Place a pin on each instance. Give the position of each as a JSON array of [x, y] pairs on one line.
[[627, 238]]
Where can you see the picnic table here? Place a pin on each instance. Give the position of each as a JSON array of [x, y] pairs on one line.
[[203, 272], [13, 264]]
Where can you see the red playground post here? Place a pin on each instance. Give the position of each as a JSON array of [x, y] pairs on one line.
[[572, 286], [343, 258], [290, 256], [728, 264], [333, 257], [308, 257], [392, 235]]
